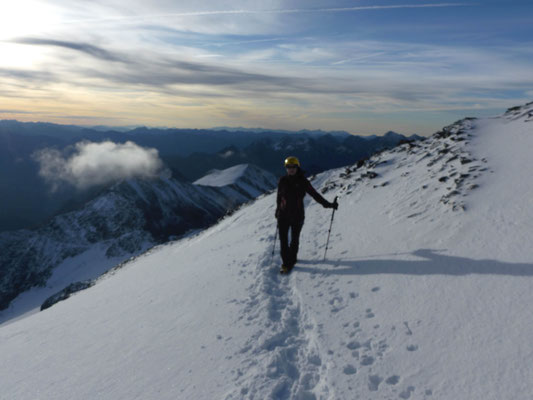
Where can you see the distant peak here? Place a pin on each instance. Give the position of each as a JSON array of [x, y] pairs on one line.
[[230, 175], [392, 134]]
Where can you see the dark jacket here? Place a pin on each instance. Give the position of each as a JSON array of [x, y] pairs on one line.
[[291, 193]]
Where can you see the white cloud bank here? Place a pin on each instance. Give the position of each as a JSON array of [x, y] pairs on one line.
[[94, 164]]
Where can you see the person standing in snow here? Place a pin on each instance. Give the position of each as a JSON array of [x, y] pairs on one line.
[[290, 209]]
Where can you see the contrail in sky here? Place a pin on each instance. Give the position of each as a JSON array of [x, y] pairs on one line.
[[318, 10], [282, 11]]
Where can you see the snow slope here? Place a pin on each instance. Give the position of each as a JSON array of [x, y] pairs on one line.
[[121, 222], [425, 293], [240, 181], [222, 178]]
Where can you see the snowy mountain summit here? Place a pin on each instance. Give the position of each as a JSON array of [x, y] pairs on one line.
[[425, 292], [244, 179]]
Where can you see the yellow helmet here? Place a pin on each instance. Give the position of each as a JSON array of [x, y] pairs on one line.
[[292, 161]]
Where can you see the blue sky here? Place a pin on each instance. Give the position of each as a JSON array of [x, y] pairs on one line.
[[361, 66]]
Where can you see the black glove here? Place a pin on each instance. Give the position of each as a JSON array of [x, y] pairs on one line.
[[334, 205], [277, 213]]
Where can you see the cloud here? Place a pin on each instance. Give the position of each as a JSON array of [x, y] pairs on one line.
[[149, 70], [26, 75], [236, 62], [176, 72], [90, 49], [93, 164], [326, 72], [13, 111], [376, 7], [236, 17], [277, 11]]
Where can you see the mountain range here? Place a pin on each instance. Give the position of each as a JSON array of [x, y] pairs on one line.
[[189, 154]]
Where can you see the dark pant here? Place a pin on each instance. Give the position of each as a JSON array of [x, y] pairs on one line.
[[289, 252]]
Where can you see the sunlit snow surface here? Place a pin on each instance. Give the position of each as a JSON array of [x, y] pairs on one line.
[[425, 293]]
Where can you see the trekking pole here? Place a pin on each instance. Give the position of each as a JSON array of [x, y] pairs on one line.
[[274, 247], [330, 225]]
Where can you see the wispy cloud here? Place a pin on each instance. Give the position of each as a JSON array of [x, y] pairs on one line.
[[276, 11], [240, 18], [380, 7], [27, 75], [14, 111], [90, 49], [192, 63], [403, 72]]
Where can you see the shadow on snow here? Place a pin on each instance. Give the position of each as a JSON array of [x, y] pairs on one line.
[[431, 263]]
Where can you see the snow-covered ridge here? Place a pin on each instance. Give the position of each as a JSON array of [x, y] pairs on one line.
[[443, 166], [247, 179], [416, 299]]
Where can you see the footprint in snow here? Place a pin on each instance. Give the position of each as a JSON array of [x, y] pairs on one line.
[[392, 380], [407, 392], [354, 345], [382, 347], [352, 334], [412, 347], [373, 382], [350, 369], [336, 304], [367, 360]]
